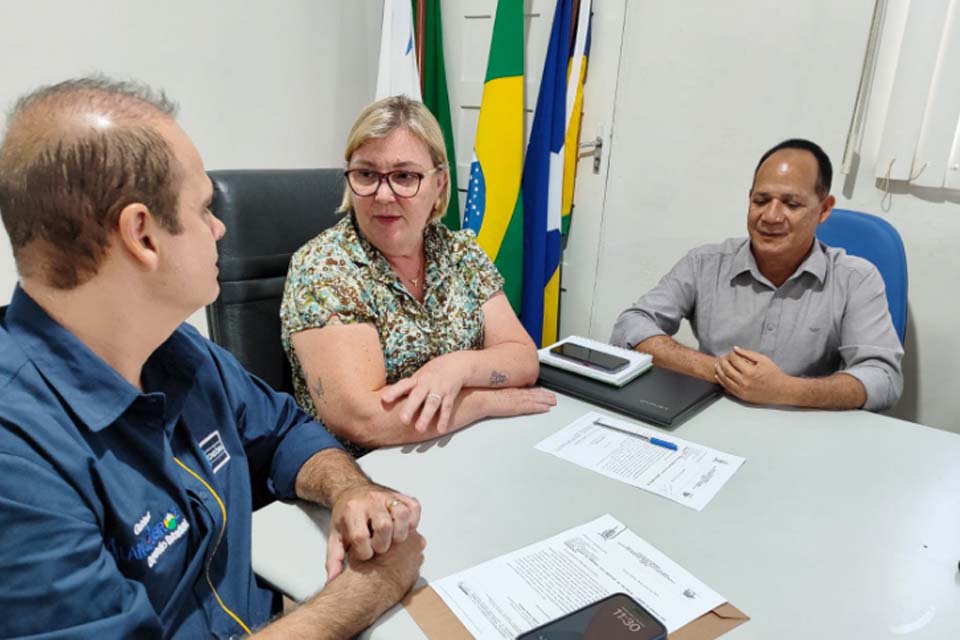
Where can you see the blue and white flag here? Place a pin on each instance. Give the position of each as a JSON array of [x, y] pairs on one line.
[[397, 73], [543, 184]]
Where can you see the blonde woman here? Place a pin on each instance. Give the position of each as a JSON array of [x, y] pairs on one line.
[[397, 329]]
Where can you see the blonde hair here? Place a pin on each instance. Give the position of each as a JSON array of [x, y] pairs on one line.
[[385, 116]]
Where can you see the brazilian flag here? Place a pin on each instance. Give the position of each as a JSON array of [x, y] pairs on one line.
[[494, 208]]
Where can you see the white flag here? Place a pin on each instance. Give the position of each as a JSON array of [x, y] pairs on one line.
[[397, 73]]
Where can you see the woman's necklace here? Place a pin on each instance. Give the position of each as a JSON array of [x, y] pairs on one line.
[[415, 280]]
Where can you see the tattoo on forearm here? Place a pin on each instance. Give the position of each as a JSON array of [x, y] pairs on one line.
[[497, 378], [317, 388]]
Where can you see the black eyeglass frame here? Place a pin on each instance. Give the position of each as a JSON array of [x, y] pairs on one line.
[[386, 176]]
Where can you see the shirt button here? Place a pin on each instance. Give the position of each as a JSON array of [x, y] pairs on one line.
[[769, 327]]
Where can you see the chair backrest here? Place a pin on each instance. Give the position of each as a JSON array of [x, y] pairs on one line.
[[269, 214], [876, 240]]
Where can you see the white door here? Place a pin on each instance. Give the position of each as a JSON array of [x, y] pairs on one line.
[[581, 256]]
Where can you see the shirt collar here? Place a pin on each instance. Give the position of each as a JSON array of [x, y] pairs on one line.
[[815, 263], [13, 357], [438, 257], [356, 246], [743, 261], [93, 390]]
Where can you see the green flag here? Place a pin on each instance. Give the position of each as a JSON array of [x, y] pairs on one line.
[[434, 83]]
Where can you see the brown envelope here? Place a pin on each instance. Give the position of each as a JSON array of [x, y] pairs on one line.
[[439, 623], [712, 624]]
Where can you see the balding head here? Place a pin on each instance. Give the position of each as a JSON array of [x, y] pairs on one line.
[[824, 173], [74, 155]]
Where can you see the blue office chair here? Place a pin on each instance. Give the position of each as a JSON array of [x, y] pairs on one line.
[[874, 239]]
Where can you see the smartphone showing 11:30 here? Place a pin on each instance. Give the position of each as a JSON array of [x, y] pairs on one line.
[[616, 617]]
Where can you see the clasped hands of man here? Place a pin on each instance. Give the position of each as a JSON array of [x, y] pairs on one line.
[[752, 377]]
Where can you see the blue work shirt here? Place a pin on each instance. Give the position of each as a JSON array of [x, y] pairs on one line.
[[121, 511]]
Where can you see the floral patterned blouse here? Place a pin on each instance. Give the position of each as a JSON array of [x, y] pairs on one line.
[[340, 273]]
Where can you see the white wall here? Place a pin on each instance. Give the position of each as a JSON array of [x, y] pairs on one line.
[[260, 84], [704, 89], [929, 222]]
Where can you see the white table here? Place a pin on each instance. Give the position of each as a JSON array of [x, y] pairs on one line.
[[839, 525]]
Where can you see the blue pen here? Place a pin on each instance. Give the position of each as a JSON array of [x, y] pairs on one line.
[[655, 441]]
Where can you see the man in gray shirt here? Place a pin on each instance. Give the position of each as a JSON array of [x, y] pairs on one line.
[[781, 318]]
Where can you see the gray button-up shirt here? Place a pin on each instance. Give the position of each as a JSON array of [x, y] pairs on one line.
[[830, 315]]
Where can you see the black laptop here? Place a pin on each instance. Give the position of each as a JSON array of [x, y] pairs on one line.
[[661, 397]]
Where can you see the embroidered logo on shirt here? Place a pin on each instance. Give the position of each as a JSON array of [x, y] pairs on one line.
[[216, 453], [175, 527], [152, 540]]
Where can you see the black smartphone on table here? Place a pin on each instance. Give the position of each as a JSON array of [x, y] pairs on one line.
[[590, 357], [616, 617]]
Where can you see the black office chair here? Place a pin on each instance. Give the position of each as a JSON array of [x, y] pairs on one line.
[[269, 214]]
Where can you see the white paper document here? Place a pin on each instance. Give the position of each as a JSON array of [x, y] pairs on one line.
[[692, 475], [516, 592]]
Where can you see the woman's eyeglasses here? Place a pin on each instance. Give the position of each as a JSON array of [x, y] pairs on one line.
[[403, 184]]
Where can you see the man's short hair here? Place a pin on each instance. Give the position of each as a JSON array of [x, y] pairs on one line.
[[74, 155], [824, 168]]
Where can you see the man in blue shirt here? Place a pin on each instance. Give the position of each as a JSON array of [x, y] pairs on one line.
[[133, 450]]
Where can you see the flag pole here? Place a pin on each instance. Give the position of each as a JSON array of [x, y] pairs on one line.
[[421, 20]]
